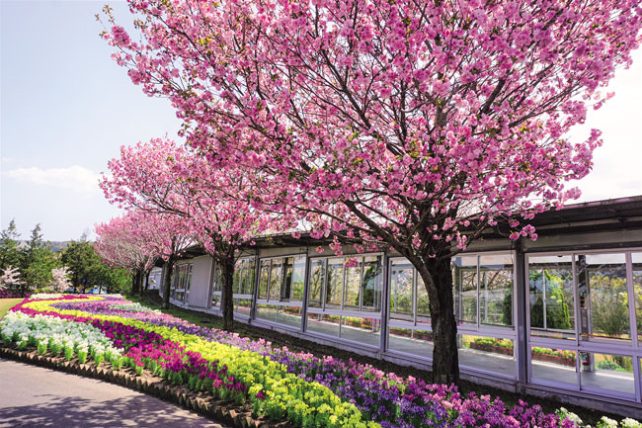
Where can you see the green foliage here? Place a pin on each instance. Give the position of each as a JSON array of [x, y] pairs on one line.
[[507, 307], [10, 254], [609, 305], [35, 260], [85, 266], [87, 269], [558, 314], [37, 273]]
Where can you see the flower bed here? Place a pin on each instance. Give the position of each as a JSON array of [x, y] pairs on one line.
[[302, 388]]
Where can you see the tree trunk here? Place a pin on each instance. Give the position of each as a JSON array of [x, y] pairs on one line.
[[227, 298], [141, 283], [136, 283], [167, 281], [147, 280], [445, 359]]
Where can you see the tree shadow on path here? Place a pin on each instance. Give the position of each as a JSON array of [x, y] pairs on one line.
[[142, 411]]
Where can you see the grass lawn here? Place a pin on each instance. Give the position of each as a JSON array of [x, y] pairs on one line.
[[6, 304], [295, 344]]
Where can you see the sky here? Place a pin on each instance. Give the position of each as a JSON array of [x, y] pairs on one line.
[[66, 108]]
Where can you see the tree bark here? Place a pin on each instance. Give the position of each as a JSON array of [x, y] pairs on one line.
[[227, 295], [136, 282], [141, 282], [147, 280], [445, 359], [167, 281]]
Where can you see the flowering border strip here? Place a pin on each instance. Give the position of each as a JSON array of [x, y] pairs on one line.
[[274, 391], [391, 400], [203, 404]]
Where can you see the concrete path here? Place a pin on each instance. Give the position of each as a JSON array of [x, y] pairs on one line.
[[32, 396]]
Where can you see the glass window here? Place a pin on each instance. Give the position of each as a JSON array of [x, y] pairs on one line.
[[188, 278], [264, 278], [411, 341], [401, 290], [244, 276], [324, 324], [554, 365], [352, 284], [236, 278], [487, 353], [551, 296], [371, 283], [612, 373], [637, 289], [286, 285], [217, 285], [249, 276], [423, 303], [276, 280], [289, 315], [465, 272], [334, 287], [603, 296], [361, 329], [317, 276], [496, 290], [298, 279]]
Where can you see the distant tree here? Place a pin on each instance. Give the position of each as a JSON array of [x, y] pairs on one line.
[[81, 260], [120, 246], [10, 279], [60, 280], [37, 262], [10, 255], [136, 239]]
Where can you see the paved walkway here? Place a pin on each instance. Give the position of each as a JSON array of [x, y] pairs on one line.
[[32, 396]]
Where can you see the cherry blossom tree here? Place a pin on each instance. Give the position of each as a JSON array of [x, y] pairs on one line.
[[161, 176], [408, 124], [10, 278], [136, 239], [60, 281]]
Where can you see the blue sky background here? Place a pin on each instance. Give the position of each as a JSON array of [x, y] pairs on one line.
[[66, 108]]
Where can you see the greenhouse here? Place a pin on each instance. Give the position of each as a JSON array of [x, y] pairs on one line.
[[561, 315]]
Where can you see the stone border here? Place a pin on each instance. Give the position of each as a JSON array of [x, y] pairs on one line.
[[201, 403]]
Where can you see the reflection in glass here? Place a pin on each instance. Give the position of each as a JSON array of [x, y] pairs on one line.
[[371, 283], [217, 286], [465, 280], [317, 279], [352, 285], [298, 279], [554, 365], [423, 303], [401, 293], [607, 372], [603, 296], [637, 288], [363, 330], [324, 324], [496, 290], [334, 286], [276, 280], [551, 296], [410, 341], [264, 278], [487, 353]]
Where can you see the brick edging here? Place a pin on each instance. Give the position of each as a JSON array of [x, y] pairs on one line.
[[221, 411]]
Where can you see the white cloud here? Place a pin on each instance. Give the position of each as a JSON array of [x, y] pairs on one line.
[[75, 177]]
